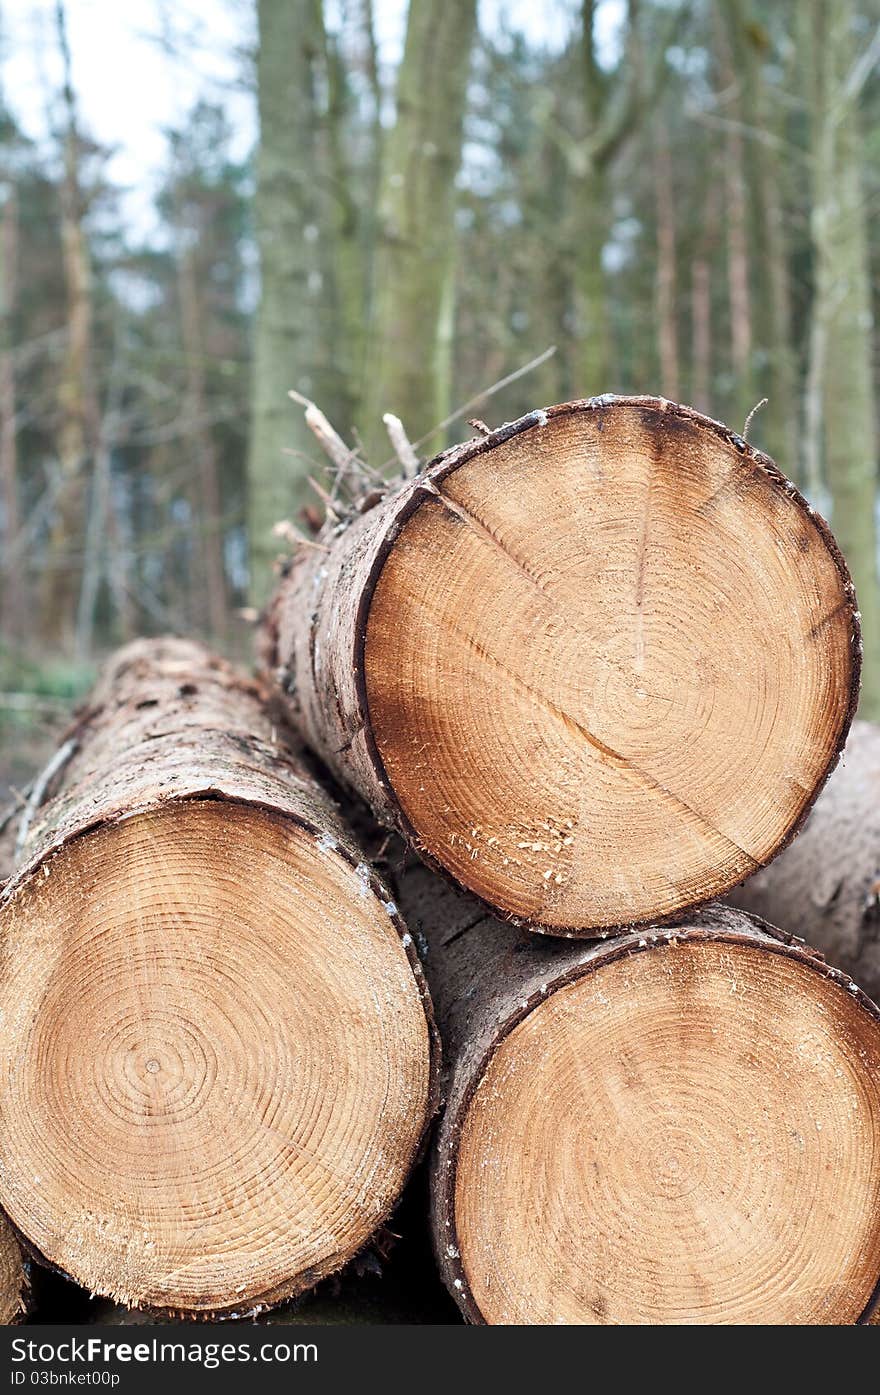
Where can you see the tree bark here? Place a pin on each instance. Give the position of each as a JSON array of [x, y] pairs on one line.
[[828, 882], [591, 1164], [14, 589], [195, 944], [289, 214], [417, 220], [14, 1280], [78, 429], [666, 280], [843, 321], [209, 510], [764, 173], [530, 661]]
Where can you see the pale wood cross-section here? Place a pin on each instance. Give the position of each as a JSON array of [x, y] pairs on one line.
[[675, 1126], [595, 666], [217, 1057]]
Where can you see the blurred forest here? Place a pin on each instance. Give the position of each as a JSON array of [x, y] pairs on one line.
[[680, 198]]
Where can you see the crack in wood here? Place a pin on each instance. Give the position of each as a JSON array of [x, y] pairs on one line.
[[621, 762]]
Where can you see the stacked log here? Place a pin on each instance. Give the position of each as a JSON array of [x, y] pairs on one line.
[[217, 1057], [595, 665], [827, 884], [674, 1126]]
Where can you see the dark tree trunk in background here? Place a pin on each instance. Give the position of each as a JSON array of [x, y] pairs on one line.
[[765, 172], [14, 601], [290, 232], [842, 332], [78, 410], [666, 283], [211, 608], [417, 224]]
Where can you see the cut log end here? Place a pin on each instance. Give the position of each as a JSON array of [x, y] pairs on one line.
[[608, 661], [221, 1058], [690, 1133]]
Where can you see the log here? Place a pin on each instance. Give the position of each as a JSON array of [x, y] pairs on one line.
[[827, 884], [217, 1053], [677, 1126], [595, 666], [14, 1278]]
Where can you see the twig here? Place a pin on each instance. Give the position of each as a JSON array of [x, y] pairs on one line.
[[19, 800], [757, 407], [480, 426], [403, 449], [326, 435], [286, 530], [38, 790], [484, 396], [329, 504]]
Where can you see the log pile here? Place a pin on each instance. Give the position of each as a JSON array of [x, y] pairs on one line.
[[595, 668]]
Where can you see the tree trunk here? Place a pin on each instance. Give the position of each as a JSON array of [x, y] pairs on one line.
[[827, 884], [666, 282], [843, 330], [739, 294], [701, 306], [196, 947], [209, 510], [14, 1280], [14, 590], [289, 221], [676, 1127], [596, 664], [76, 392], [417, 220], [764, 172], [592, 206]]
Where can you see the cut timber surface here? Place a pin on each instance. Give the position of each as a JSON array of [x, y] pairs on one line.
[[216, 1050], [827, 884], [595, 665], [13, 1277], [678, 1126]]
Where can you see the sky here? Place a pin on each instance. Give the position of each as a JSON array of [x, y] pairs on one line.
[[130, 85]]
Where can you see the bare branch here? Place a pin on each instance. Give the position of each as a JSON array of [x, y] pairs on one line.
[[484, 396], [40, 785], [326, 435], [403, 449], [751, 416], [326, 500], [291, 534], [862, 69]]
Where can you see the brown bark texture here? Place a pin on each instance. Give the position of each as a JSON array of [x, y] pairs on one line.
[[14, 1277]]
